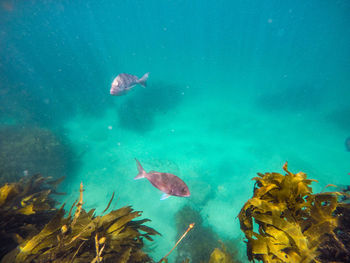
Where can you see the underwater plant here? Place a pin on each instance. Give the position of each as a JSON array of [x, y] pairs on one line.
[[84, 237], [338, 250], [25, 207], [292, 223], [221, 255], [29, 150]]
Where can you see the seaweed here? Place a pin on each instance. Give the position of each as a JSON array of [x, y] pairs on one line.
[[25, 207], [293, 223], [84, 237], [221, 255], [338, 250]]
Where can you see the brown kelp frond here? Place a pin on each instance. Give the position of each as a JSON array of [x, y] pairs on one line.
[[29, 195], [109, 203], [292, 221], [25, 207], [85, 237], [79, 205], [221, 255]]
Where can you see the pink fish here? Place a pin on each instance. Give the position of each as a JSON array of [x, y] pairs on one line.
[[347, 144], [168, 183]]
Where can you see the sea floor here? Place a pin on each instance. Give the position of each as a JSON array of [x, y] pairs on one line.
[[215, 144]]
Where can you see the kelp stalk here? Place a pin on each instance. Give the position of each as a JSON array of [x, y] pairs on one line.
[[184, 234]]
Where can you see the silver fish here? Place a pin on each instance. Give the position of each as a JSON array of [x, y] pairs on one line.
[[168, 183], [123, 83]]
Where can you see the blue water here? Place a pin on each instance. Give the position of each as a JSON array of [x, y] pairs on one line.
[[235, 88]]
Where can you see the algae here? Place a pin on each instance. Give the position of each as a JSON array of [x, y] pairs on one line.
[[81, 236], [292, 223], [25, 207], [221, 255]]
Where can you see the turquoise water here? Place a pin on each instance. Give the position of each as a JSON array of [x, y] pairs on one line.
[[235, 88]]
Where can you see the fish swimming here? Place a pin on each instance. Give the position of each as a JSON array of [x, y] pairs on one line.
[[168, 183], [123, 83], [347, 144]]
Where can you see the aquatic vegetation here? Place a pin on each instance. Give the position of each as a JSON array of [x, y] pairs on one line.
[[293, 223], [199, 245], [84, 237], [338, 250], [221, 256], [25, 207], [31, 150]]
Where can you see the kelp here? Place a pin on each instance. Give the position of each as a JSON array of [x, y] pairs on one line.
[[291, 222], [25, 207], [338, 250], [220, 255], [85, 237]]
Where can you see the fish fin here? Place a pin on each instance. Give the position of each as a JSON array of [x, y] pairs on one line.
[[164, 196], [142, 173], [143, 79]]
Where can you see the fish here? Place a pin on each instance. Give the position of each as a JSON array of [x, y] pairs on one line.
[[168, 183], [347, 144], [123, 83]]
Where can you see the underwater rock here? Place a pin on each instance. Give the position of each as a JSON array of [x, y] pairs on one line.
[[30, 150], [202, 240], [199, 245]]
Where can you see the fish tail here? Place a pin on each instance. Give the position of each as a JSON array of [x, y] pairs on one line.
[[142, 173], [143, 79]]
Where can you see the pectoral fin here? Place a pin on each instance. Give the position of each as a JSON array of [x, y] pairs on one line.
[[164, 196]]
